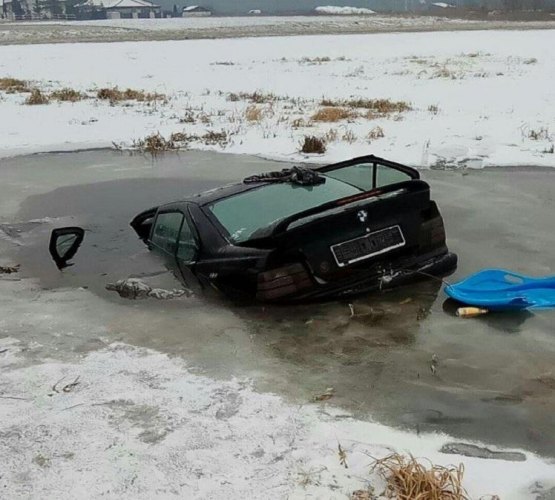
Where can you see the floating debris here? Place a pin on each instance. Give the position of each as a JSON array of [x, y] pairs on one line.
[[9, 269], [342, 456], [133, 288], [472, 450], [434, 364], [330, 391]]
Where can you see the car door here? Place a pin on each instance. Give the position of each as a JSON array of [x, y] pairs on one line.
[[187, 251], [173, 238]]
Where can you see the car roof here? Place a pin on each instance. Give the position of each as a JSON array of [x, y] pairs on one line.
[[213, 195]]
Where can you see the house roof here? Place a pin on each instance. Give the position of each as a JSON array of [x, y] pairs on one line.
[[192, 8], [119, 4]]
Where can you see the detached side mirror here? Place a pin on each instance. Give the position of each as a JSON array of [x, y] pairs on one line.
[[64, 243]]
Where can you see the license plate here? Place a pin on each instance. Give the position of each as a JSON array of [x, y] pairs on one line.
[[368, 246]]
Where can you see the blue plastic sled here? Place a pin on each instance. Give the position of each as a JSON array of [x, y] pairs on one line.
[[497, 289]]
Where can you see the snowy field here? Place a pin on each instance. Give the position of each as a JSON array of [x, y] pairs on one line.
[[141, 424], [472, 98]]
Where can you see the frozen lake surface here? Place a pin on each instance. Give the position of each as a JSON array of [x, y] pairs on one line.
[[498, 367]]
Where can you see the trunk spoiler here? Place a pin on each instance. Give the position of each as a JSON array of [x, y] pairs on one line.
[[407, 186]]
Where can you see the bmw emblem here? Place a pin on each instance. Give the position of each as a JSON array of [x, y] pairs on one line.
[[362, 215]]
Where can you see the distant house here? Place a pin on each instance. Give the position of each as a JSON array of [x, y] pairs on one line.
[[117, 9], [196, 11]]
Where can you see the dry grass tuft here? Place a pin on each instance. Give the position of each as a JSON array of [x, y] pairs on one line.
[[252, 97], [433, 108], [540, 134], [37, 97], [299, 122], [254, 113], [155, 144], [377, 106], [313, 144], [314, 60], [407, 479], [188, 117], [333, 114], [179, 137], [331, 135], [212, 138], [376, 133], [363, 495], [13, 85], [116, 95], [67, 95], [445, 72], [349, 136]]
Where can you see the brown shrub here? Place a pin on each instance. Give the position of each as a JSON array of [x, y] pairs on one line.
[[67, 95], [13, 85], [312, 144], [37, 97], [333, 114]]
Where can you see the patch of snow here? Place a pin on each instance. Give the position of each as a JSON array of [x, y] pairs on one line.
[[133, 423], [476, 97], [443, 5], [343, 11]]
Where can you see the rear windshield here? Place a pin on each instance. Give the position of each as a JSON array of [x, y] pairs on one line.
[[248, 215]]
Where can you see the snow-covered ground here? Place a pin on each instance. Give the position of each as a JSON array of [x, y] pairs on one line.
[[477, 98], [344, 11], [272, 22], [138, 424]]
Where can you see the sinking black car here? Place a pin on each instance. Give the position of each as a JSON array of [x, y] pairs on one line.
[[302, 234], [298, 234]]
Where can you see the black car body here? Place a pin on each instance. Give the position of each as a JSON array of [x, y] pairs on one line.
[[370, 223]]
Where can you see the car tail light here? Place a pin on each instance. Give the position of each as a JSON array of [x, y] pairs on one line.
[[282, 281]]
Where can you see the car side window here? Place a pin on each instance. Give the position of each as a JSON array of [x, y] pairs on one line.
[[166, 231], [187, 247], [386, 176]]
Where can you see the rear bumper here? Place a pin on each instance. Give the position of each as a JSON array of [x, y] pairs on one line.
[[400, 273]]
